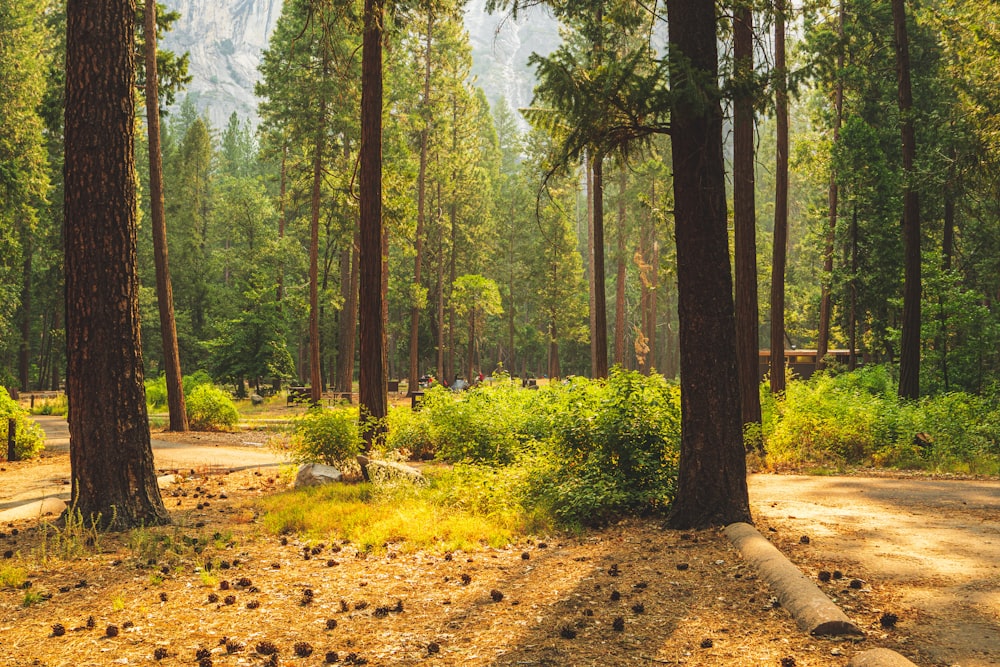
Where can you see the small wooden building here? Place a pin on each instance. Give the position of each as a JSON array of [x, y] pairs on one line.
[[803, 362]]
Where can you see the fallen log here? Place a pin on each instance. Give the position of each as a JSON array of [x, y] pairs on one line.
[[809, 606]]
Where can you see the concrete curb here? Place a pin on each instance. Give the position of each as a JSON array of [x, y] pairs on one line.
[[879, 657], [40, 508], [54, 507], [809, 606]]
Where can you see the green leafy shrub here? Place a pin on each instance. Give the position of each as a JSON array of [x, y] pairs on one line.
[[196, 379], [409, 433], [156, 393], [857, 418], [210, 409], [326, 436], [487, 423], [616, 447], [29, 438], [156, 388]]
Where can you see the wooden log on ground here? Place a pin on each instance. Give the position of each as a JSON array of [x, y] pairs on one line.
[[879, 657], [809, 606]]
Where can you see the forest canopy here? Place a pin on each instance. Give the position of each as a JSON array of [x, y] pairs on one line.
[[489, 211]]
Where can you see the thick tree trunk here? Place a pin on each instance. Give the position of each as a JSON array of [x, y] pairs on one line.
[[745, 219], [826, 299], [600, 332], [620, 271], [114, 482], [164, 290], [909, 355], [780, 205], [372, 324], [712, 485]]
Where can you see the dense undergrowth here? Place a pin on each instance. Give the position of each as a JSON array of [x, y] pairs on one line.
[[834, 421]]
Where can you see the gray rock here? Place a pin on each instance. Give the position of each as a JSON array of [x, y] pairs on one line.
[[256, 399], [316, 474], [389, 472]]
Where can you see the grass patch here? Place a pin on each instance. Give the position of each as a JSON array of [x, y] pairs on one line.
[[406, 518], [12, 577]]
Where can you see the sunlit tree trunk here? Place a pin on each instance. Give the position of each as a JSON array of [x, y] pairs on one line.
[[826, 300], [620, 271], [418, 258], [780, 205], [745, 218], [164, 289], [600, 332]]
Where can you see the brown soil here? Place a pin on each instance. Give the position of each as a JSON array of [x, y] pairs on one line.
[[557, 605]]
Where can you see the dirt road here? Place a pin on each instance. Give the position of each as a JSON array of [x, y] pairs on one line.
[[933, 544], [48, 476]]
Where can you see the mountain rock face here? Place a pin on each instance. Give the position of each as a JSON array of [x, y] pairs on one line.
[[226, 37], [501, 47]]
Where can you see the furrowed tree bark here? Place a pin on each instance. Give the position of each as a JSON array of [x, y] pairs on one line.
[[712, 486], [113, 479], [164, 289], [745, 219], [779, 256], [373, 397], [909, 355]]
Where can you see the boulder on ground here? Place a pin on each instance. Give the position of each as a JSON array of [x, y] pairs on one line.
[[316, 474], [256, 399], [389, 472]]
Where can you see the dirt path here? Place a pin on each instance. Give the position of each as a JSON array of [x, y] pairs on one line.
[[48, 476], [933, 544]]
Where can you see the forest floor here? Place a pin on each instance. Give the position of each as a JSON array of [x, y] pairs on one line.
[[632, 594]]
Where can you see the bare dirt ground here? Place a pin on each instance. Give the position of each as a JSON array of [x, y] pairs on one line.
[[552, 600], [931, 544]]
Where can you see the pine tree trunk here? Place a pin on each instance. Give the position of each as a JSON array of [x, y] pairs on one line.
[[348, 320], [282, 194], [24, 352], [421, 206], [712, 485], [591, 283], [745, 220], [373, 397], [852, 320], [620, 271], [600, 332], [909, 356], [164, 290], [780, 206], [826, 299], [114, 481]]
